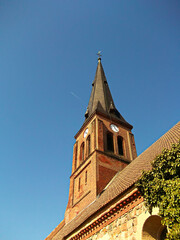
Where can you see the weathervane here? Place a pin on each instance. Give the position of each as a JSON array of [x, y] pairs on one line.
[[99, 54]]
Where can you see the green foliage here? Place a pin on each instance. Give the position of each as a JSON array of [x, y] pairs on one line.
[[160, 188]]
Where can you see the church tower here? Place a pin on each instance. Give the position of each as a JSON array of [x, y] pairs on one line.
[[104, 145]]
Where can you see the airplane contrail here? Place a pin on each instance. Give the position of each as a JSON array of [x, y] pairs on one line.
[[73, 94], [77, 97]]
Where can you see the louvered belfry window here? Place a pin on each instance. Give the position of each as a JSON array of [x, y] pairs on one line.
[[110, 143], [120, 145]]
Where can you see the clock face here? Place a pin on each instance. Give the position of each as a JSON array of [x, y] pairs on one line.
[[114, 128], [85, 132]]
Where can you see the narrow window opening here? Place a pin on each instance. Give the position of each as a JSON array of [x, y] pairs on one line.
[[120, 145], [88, 145], [110, 144], [82, 152], [86, 177], [79, 184], [75, 165]]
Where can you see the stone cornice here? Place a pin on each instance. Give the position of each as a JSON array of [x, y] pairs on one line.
[[109, 216]]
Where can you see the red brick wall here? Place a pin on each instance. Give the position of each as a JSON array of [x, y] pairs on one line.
[[99, 164], [105, 175]]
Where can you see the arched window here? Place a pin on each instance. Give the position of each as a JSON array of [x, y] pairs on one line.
[[82, 152], [120, 145], [153, 229], [110, 143], [88, 145]]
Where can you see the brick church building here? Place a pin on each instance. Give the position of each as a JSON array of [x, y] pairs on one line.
[[103, 200]]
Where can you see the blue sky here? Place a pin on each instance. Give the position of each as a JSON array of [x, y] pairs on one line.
[[47, 64]]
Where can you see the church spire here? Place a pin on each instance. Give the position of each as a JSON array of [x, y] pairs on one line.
[[104, 145], [101, 100]]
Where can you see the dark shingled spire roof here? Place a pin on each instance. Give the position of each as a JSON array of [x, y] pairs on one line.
[[101, 99]]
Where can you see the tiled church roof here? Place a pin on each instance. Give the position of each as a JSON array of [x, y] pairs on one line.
[[122, 180]]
